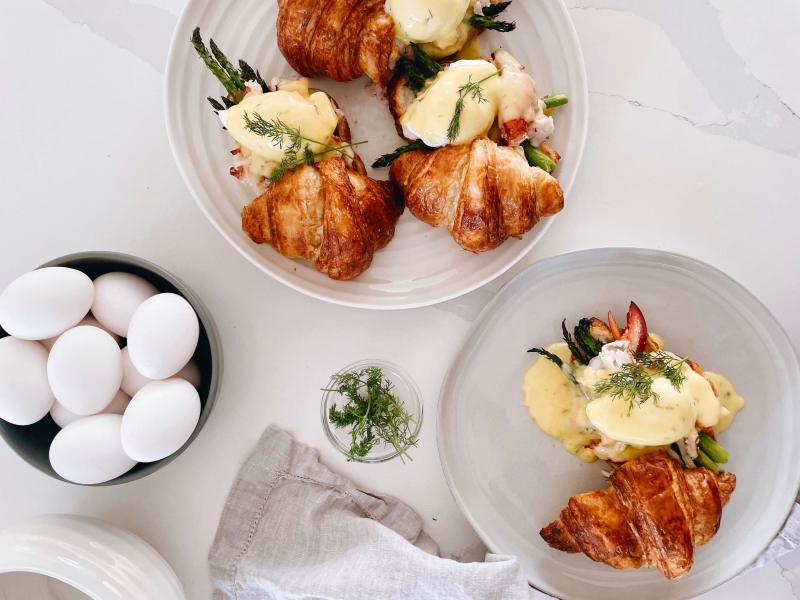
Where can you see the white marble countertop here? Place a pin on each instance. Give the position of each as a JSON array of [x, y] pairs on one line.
[[693, 147]]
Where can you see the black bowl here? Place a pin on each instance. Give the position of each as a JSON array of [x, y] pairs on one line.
[[32, 442]]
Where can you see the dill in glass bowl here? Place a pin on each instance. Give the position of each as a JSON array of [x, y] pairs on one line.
[[372, 412]]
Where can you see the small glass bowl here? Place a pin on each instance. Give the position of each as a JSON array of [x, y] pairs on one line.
[[403, 388]]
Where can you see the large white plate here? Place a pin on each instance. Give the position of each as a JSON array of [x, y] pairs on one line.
[[422, 265], [511, 479]]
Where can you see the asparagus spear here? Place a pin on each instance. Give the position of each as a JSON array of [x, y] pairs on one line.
[[217, 106], [430, 65], [576, 352], [218, 71], [584, 340], [704, 461], [566, 369], [490, 23], [495, 9], [226, 64], [537, 158], [555, 100], [416, 80], [712, 449], [388, 159]]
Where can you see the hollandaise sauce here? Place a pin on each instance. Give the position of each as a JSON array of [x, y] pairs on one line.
[[428, 118], [557, 406], [294, 105], [618, 430], [439, 26]]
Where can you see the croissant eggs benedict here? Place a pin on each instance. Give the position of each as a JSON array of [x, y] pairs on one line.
[[623, 396], [293, 105]]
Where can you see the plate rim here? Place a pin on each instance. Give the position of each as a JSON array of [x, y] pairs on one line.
[[488, 309], [300, 285]]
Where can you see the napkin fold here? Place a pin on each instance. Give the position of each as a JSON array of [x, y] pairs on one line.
[[293, 530]]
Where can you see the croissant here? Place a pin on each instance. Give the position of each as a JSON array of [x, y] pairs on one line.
[[483, 193], [328, 213], [654, 514], [338, 38]]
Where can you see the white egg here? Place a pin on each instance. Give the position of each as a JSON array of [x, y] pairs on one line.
[[90, 450], [85, 370], [160, 419], [163, 335], [133, 381], [116, 298], [87, 320], [62, 416], [25, 394], [45, 303]]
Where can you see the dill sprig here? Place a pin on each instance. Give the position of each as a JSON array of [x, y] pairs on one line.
[[282, 135], [373, 413], [474, 90], [663, 364], [633, 383]]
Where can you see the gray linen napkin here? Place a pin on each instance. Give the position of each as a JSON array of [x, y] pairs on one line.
[[293, 530]]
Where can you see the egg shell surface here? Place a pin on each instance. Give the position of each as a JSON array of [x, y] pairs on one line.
[[87, 320], [85, 370], [116, 298], [163, 336], [89, 450], [25, 394], [133, 381], [45, 303], [160, 419]]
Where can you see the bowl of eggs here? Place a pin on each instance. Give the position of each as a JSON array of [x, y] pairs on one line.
[[109, 367]]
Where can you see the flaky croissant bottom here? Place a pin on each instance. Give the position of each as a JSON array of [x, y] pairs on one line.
[[654, 514], [483, 193], [329, 214]]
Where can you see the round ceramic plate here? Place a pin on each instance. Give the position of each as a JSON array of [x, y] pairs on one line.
[[422, 265], [511, 479]]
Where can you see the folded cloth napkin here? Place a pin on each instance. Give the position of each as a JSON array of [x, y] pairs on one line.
[[293, 530]]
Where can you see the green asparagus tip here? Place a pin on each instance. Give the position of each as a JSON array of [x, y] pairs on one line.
[[495, 9], [489, 23], [712, 449], [387, 159], [537, 158], [555, 100], [704, 461]]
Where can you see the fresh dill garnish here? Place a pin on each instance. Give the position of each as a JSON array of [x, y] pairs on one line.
[[474, 90], [282, 134], [663, 364], [633, 383], [372, 411]]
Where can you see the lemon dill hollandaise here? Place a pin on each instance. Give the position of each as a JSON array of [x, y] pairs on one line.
[[615, 395]]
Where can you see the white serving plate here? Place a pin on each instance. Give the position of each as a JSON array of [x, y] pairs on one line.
[[422, 265], [510, 479]]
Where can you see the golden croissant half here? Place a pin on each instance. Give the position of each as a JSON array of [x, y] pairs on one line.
[[654, 514], [483, 193], [338, 38], [328, 213]]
